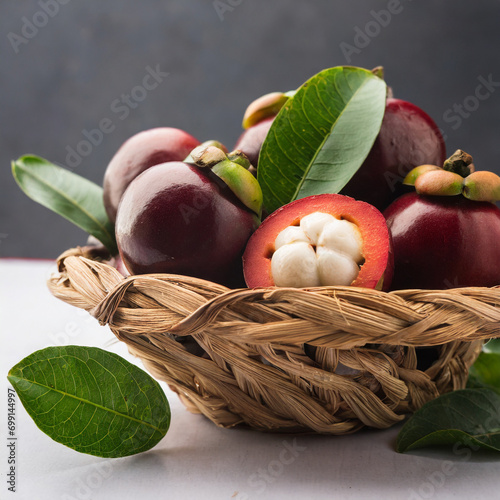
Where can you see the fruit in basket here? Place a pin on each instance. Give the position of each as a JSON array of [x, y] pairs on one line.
[[446, 234], [184, 219], [178, 214], [257, 121], [138, 153], [251, 140], [408, 137], [321, 240], [266, 106]]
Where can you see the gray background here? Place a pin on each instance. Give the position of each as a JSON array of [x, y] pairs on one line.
[[86, 55]]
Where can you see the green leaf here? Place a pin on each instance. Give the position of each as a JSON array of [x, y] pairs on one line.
[[66, 193], [92, 400], [467, 417], [492, 346], [486, 371], [321, 136]]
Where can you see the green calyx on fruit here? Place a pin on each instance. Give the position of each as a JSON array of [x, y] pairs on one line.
[[457, 176], [264, 107], [206, 144], [482, 186], [416, 172], [439, 182], [232, 169], [240, 158]]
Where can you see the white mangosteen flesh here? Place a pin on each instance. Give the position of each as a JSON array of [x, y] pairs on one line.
[[321, 251], [295, 265]]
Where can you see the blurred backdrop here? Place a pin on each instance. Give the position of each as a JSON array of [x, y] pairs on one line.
[[66, 66]]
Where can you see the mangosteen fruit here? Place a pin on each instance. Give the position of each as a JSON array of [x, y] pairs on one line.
[[446, 233], [180, 218], [138, 153], [320, 240]]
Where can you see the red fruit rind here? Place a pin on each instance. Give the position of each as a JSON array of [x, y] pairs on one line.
[[444, 242], [375, 272], [408, 137], [138, 153]]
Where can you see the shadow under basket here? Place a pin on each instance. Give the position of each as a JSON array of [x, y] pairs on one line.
[[329, 359]]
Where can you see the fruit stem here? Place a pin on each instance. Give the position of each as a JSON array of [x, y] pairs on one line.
[[459, 163], [240, 158], [207, 156], [217, 144], [378, 71]]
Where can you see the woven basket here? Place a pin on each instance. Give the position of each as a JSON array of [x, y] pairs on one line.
[[329, 359]]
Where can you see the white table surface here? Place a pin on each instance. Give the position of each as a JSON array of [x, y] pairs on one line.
[[196, 459]]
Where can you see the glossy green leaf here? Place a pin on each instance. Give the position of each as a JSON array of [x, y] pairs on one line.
[[486, 371], [92, 400], [322, 135], [492, 346], [66, 193], [467, 417]]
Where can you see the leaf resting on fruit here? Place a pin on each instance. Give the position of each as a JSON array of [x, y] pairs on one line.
[[321, 136]]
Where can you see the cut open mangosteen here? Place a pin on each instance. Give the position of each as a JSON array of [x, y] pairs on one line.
[[321, 240]]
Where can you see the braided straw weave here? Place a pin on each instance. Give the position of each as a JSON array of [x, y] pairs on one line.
[[327, 359]]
